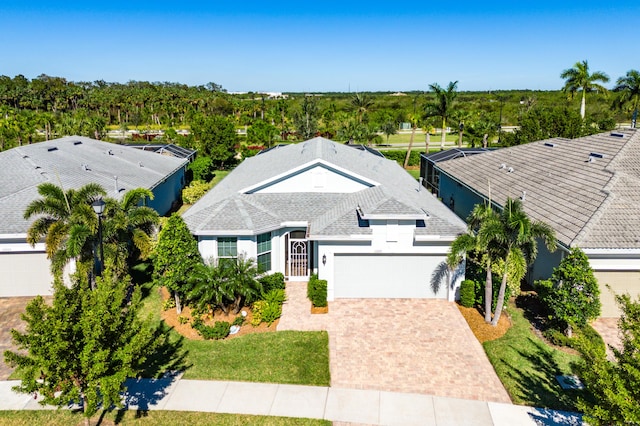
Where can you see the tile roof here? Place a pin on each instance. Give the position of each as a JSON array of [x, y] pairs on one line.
[[72, 162], [388, 190], [587, 189]]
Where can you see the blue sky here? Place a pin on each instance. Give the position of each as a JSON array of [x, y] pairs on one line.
[[319, 46]]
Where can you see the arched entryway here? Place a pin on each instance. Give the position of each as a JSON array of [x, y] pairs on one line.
[[297, 255]]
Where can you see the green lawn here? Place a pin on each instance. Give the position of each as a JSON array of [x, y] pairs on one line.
[[419, 138], [527, 366], [169, 418], [293, 357]]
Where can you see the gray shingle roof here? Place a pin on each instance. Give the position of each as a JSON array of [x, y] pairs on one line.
[[60, 161], [389, 190], [590, 204]]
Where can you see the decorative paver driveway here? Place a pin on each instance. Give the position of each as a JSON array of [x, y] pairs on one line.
[[402, 345]]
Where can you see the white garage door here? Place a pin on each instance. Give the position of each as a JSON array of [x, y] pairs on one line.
[[386, 276], [24, 274]]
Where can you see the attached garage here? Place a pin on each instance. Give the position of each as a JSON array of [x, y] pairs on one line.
[[620, 282], [386, 276], [25, 274]]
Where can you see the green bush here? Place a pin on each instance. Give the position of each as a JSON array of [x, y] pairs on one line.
[[317, 291], [170, 303], [276, 296], [468, 293], [182, 319], [220, 330], [272, 281], [239, 320], [195, 191], [398, 156], [202, 169], [272, 312], [258, 309]]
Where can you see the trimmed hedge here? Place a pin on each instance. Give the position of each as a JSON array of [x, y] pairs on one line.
[[317, 291], [272, 282], [195, 191], [468, 293], [398, 156]]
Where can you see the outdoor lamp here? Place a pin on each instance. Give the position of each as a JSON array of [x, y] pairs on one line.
[[324, 259], [98, 208]]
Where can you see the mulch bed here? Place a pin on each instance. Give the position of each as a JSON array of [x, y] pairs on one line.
[[171, 318], [483, 331]]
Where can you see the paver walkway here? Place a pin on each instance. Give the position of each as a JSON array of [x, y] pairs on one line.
[[607, 328], [398, 345]]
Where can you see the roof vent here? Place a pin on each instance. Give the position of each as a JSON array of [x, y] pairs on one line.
[[510, 170], [140, 164], [503, 166], [52, 148], [617, 135], [85, 167], [549, 144], [110, 152], [77, 142], [596, 155], [524, 195]]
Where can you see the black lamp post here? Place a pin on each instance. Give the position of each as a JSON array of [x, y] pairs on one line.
[[98, 207]]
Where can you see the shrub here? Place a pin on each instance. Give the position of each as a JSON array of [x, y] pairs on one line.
[[275, 296], [202, 169], [195, 191], [468, 293], [272, 281], [220, 330], [182, 319], [239, 320], [317, 291], [197, 322], [272, 312], [398, 156], [170, 303], [258, 309]]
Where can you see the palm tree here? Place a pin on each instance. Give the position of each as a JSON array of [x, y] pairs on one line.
[[479, 251], [579, 79], [628, 88], [361, 104], [241, 281], [65, 221], [443, 105], [512, 236], [207, 291]]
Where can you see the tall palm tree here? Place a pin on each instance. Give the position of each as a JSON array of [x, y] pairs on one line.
[[628, 88], [579, 79], [477, 250], [513, 236], [66, 222], [361, 104], [443, 105]]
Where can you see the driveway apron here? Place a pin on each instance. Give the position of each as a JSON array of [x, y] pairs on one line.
[[398, 345]]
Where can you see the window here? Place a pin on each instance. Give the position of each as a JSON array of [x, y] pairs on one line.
[[264, 252], [227, 247]]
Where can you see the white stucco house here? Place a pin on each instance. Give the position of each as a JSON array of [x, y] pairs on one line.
[[70, 162], [353, 217]]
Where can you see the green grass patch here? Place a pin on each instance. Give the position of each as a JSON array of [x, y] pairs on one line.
[[415, 173], [293, 357], [169, 418], [527, 366]]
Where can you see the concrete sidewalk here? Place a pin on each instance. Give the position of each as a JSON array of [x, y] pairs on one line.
[[336, 404]]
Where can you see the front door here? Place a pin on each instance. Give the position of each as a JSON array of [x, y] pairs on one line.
[[298, 256]]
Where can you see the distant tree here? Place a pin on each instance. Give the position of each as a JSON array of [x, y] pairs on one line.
[[544, 123], [217, 138], [389, 128], [202, 168], [628, 90], [361, 103], [615, 385], [262, 133], [175, 257], [572, 294], [578, 79], [306, 119], [84, 346], [443, 106]]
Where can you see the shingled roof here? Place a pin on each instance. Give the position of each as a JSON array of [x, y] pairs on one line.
[[72, 162], [234, 206], [587, 189]]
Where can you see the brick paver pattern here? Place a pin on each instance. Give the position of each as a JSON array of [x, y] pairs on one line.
[[607, 328], [399, 345]]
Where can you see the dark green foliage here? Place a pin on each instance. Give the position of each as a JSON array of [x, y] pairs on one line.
[[398, 157], [468, 293], [176, 256], [216, 138], [220, 330], [306, 118], [275, 296], [262, 133], [202, 168], [85, 345], [272, 281], [317, 291], [239, 320], [572, 294], [615, 385], [558, 338], [547, 122], [271, 312]]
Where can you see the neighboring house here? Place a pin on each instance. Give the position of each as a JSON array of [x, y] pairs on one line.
[[429, 172], [355, 218], [587, 189], [70, 162]]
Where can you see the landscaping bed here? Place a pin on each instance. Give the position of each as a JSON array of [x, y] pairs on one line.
[[483, 331]]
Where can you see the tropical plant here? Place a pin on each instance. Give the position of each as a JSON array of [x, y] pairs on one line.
[[361, 103], [578, 79], [240, 282], [207, 291], [443, 105], [628, 90], [85, 345], [512, 236], [572, 294], [306, 119], [614, 384], [66, 222], [175, 257]]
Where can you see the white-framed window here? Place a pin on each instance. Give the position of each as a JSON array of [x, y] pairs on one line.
[[264, 252], [227, 248]]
